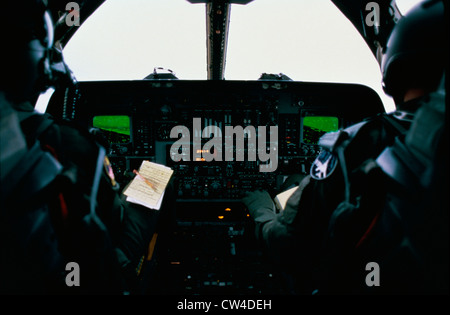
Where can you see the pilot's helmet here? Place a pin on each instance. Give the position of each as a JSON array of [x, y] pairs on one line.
[[415, 54], [27, 35]]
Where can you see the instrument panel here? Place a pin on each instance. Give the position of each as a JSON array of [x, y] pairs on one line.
[[221, 138]]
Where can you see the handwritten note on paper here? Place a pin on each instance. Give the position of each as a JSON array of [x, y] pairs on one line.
[[148, 187]]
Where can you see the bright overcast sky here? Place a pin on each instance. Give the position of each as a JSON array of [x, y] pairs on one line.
[[306, 40]]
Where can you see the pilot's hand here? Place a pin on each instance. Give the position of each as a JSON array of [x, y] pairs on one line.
[[258, 200]]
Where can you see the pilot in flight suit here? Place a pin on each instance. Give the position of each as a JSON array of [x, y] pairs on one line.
[[125, 227], [413, 66]]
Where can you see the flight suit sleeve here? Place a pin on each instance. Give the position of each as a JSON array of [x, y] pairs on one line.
[[139, 225], [12, 142], [274, 229], [129, 226]]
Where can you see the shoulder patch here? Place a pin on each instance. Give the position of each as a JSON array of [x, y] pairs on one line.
[[324, 165], [109, 171]]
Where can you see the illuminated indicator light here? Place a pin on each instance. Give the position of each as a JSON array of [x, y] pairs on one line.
[[248, 215], [227, 209], [220, 217]]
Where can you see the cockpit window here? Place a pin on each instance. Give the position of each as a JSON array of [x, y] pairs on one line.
[[305, 40], [405, 5], [126, 40]]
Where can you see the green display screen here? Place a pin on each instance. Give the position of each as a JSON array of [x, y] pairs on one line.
[[315, 126], [116, 128]]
